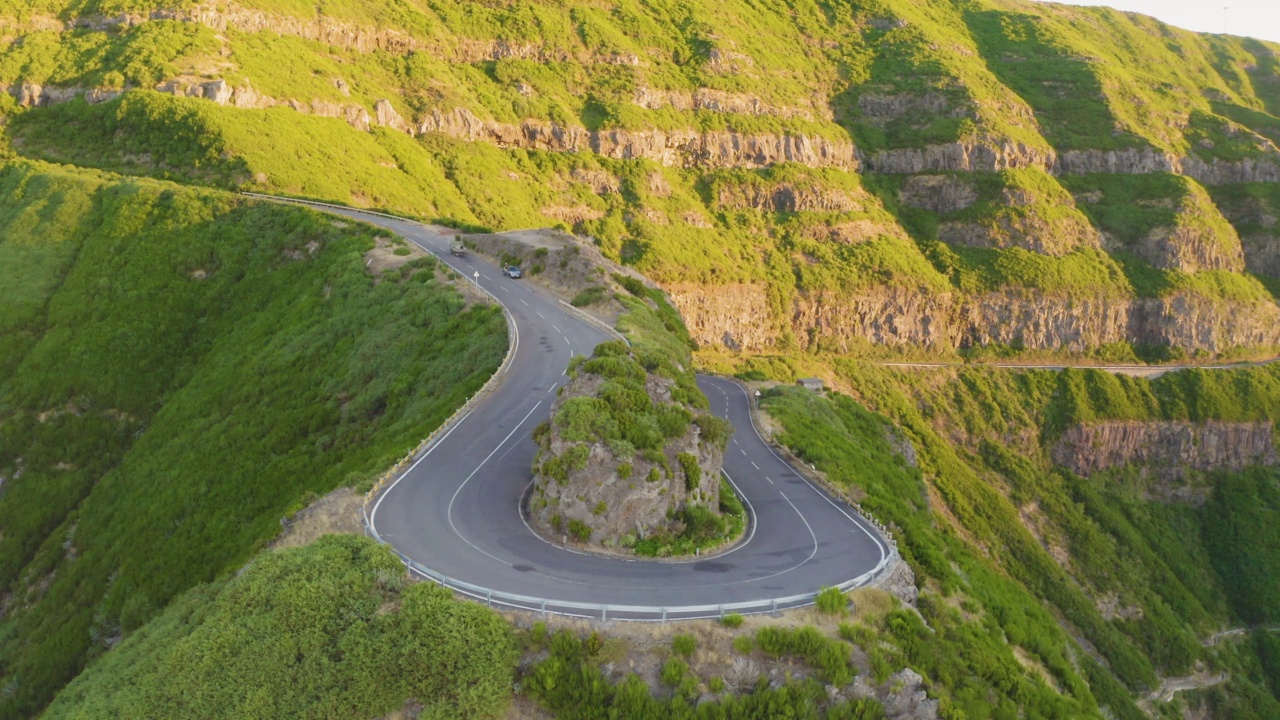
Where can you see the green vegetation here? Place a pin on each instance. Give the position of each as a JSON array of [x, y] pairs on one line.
[[181, 369], [146, 328], [621, 411], [590, 296], [732, 620], [831, 601], [1014, 79], [698, 528], [327, 630], [830, 656], [684, 645], [980, 476], [570, 684]]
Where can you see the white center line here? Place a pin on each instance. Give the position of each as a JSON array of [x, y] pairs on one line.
[[544, 317], [525, 303], [754, 465], [566, 342], [768, 478], [553, 387], [744, 452], [505, 288], [558, 330]]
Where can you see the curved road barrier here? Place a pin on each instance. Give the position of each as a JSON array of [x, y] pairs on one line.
[[451, 511]]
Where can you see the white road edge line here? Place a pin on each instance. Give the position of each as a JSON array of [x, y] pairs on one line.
[[806, 525], [373, 514], [883, 552], [452, 500]]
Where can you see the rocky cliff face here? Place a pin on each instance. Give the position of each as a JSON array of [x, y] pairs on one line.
[[1262, 253], [712, 100], [968, 156], [679, 148], [942, 194], [1190, 249], [1167, 450], [731, 316], [1025, 318], [994, 155], [788, 197], [712, 149]]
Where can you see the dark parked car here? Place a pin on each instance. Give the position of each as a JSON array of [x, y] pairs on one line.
[[511, 271]]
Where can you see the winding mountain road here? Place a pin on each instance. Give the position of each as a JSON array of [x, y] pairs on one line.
[[454, 515]]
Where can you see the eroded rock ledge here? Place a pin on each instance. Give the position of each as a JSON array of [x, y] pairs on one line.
[[679, 148], [1166, 449], [899, 316], [994, 155]]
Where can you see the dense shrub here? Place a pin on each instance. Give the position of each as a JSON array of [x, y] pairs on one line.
[[831, 657]]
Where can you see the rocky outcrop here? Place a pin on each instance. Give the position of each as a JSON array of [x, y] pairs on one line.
[[319, 28], [679, 148], [1126, 161], [1265, 169], [1041, 321], [882, 315], [31, 95], [602, 491], [1196, 323], [1038, 220], [1191, 248], [880, 109], [1167, 450], [1026, 229], [246, 98]]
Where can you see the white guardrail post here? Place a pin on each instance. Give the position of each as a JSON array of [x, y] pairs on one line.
[[559, 607]]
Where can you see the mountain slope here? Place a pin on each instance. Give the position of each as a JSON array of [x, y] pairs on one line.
[[979, 128], [181, 368]]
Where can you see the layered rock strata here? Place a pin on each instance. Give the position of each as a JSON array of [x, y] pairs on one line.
[[1167, 449], [996, 155], [729, 316]]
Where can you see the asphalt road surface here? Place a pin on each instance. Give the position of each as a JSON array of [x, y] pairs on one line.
[[456, 510]]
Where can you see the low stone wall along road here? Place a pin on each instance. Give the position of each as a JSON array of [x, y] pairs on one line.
[[455, 511]]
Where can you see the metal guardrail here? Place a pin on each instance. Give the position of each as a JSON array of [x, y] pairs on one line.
[[601, 611], [648, 613]]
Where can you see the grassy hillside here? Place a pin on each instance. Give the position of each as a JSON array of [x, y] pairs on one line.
[[1004, 540], [812, 181], [323, 631], [182, 368], [984, 97]]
